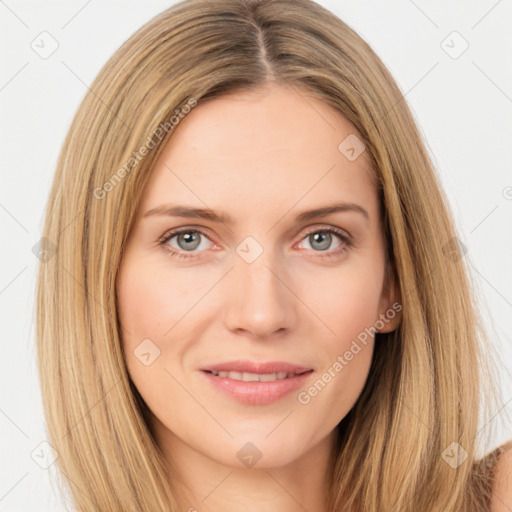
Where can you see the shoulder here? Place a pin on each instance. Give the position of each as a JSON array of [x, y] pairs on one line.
[[501, 500]]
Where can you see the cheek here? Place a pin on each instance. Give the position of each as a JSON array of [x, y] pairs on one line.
[[351, 317], [146, 309], [151, 302], [141, 307], [347, 302], [157, 306], [347, 356]]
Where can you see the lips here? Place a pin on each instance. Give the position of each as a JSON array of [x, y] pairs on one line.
[[255, 383]]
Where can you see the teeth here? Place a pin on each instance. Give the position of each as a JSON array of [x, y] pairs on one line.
[[254, 377]]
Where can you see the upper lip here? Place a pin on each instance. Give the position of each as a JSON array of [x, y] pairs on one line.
[[246, 366]]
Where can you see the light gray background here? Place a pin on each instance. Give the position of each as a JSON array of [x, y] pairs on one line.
[[463, 106]]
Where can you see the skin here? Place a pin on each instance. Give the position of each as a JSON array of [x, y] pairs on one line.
[[502, 489], [261, 157]]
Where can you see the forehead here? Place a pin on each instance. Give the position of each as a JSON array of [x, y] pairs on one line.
[[275, 146]]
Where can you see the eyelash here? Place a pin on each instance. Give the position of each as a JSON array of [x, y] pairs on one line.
[[346, 240]]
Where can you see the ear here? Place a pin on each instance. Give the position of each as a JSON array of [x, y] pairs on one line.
[[390, 303]]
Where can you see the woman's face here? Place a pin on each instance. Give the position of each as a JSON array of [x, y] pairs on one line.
[[269, 283]]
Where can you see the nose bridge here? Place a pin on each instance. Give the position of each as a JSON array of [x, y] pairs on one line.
[[258, 300]]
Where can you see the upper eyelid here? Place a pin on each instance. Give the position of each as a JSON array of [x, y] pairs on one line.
[[327, 227]]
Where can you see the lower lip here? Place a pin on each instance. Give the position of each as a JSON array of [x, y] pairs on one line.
[[257, 393]]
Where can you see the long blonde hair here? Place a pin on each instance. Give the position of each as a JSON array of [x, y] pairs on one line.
[[429, 379]]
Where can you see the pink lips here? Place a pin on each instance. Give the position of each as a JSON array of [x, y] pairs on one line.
[[257, 393]]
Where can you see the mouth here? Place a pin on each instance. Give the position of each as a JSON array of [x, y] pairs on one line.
[[256, 383]]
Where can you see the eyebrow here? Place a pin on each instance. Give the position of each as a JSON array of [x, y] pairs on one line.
[[173, 210]]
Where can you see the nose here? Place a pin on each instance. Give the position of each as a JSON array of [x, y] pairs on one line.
[[259, 298]]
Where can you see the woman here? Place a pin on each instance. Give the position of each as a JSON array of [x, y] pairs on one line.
[[258, 298]]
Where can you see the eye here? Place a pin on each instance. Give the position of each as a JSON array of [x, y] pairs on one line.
[[321, 240], [187, 240]]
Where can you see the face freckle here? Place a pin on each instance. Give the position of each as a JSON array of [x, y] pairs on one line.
[[266, 282]]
